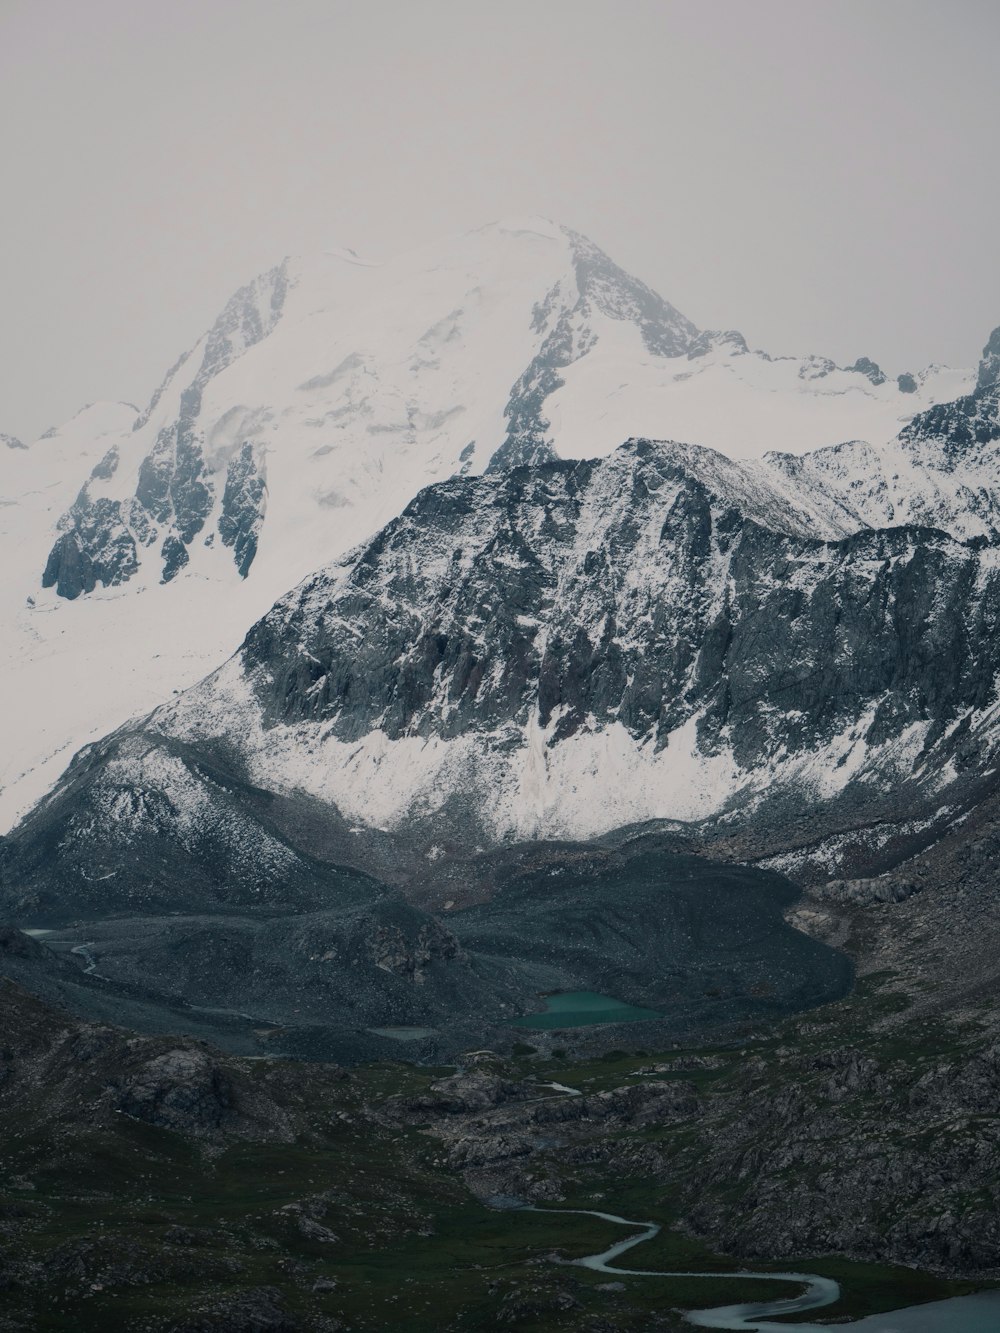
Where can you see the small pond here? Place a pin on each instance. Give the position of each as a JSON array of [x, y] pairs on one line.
[[580, 1008]]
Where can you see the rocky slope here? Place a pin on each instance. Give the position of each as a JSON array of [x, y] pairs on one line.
[[879, 1151], [57, 1065]]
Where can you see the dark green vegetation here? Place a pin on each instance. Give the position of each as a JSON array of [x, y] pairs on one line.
[[150, 1184]]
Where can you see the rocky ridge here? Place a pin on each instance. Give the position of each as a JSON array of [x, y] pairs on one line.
[[527, 637]]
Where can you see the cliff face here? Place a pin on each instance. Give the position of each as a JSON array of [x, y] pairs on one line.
[[572, 647]]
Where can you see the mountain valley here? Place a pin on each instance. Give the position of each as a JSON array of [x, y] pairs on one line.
[[447, 637]]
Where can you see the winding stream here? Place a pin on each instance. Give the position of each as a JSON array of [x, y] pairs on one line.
[[979, 1313], [90, 962], [818, 1291]]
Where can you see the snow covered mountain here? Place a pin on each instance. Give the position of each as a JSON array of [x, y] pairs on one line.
[[323, 386], [664, 634], [557, 651], [137, 548]]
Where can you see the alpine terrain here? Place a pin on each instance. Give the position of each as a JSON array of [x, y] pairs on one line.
[[489, 763]]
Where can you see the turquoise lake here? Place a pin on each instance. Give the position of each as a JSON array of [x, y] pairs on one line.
[[580, 1008]]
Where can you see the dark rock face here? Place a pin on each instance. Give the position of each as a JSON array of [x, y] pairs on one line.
[[515, 566], [870, 369], [965, 427], [485, 605], [96, 547], [989, 366], [527, 440], [172, 487], [907, 383], [11, 441], [175, 557], [190, 493], [876, 1189], [730, 339], [242, 507], [960, 426], [867, 892], [68, 569], [616, 293], [817, 368], [180, 1090], [174, 492], [107, 467]]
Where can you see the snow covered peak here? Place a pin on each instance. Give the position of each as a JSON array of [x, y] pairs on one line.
[[329, 392], [331, 388], [38, 480]]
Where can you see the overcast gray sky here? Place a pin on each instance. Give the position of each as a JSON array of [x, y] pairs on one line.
[[822, 176]]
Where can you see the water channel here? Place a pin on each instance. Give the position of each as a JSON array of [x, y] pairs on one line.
[[978, 1313]]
